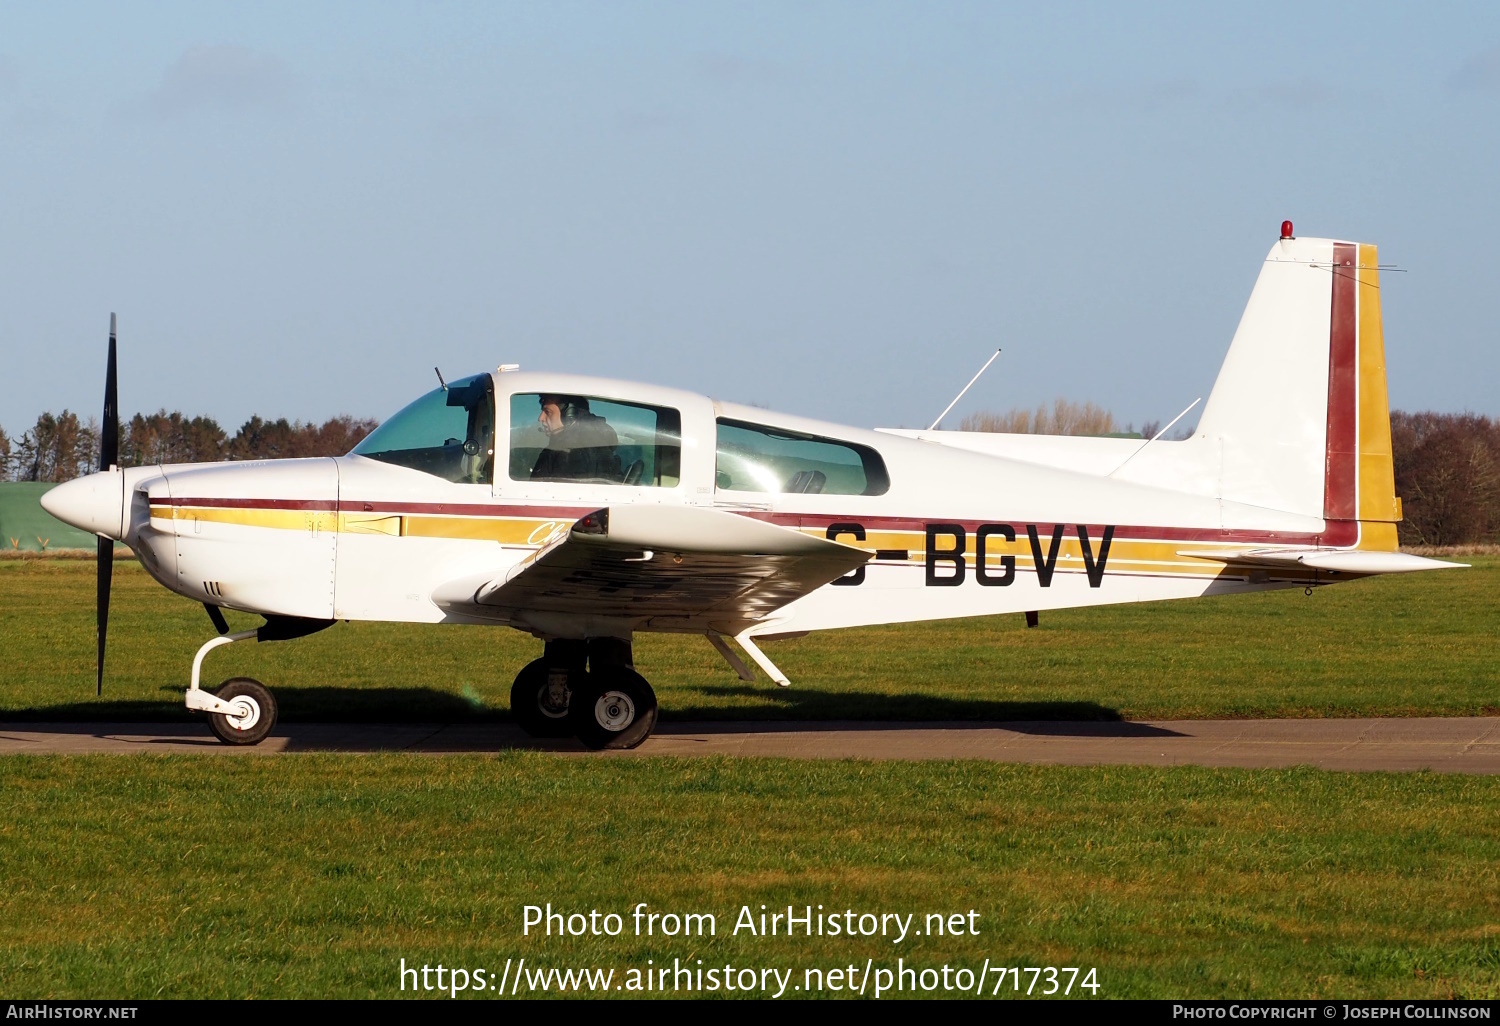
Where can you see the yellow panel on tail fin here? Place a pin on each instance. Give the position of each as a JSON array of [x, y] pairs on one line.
[[1378, 506]]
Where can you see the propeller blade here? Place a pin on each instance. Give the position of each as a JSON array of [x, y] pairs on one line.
[[106, 568], [109, 429], [109, 456]]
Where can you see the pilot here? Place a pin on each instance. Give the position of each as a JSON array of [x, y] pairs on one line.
[[580, 444]]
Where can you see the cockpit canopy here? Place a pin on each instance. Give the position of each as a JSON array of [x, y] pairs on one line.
[[606, 440]]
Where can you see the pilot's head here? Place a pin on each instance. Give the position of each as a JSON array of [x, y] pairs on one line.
[[558, 411]]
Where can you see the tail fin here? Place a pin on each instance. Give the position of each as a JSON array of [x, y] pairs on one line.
[[1299, 413]]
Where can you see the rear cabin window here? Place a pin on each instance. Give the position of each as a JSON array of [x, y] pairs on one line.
[[594, 440], [756, 458]]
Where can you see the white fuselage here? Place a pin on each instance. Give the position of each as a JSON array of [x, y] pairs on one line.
[[358, 539]]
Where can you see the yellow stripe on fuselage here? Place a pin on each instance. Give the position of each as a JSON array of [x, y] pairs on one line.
[[1125, 554], [505, 530], [1140, 555]]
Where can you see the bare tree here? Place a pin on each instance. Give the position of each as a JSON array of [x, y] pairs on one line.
[[1448, 476], [1063, 418], [5, 459]]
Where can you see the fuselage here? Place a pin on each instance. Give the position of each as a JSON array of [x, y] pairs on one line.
[[953, 532]]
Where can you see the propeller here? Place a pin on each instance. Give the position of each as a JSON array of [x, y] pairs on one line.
[[109, 456]]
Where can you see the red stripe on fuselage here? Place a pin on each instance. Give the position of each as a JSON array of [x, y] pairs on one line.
[[328, 505], [1336, 534], [1343, 389], [1341, 533]]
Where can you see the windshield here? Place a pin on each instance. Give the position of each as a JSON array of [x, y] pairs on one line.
[[449, 433]]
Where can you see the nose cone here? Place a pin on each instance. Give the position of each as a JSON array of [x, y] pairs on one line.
[[95, 503]]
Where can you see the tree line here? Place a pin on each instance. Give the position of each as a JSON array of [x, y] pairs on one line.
[[60, 447], [1447, 464], [1448, 477]]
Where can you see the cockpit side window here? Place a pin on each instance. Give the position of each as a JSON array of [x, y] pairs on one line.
[[757, 458], [558, 437], [449, 433]]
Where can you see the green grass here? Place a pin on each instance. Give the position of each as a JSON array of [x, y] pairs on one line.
[[313, 875], [1423, 644]]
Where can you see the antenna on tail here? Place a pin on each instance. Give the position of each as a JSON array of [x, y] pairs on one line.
[[1154, 437]]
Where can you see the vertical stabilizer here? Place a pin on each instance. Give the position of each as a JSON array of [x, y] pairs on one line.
[[1299, 414]]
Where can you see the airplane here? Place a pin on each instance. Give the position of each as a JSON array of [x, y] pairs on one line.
[[584, 510]]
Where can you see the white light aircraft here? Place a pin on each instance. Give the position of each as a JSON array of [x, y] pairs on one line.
[[584, 510]]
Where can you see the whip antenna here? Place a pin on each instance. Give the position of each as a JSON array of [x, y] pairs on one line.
[[1154, 437], [960, 395]]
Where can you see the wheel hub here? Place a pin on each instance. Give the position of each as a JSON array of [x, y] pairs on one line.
[[246, 714], [554, 697], [615, 711]]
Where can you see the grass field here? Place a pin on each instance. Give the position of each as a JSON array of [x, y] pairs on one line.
[[313, 875], [1394, 646]]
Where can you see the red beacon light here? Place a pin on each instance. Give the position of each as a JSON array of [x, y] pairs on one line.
[[1286, 230]]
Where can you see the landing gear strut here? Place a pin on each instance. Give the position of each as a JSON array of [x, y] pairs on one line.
[[242, 711], [588, 690]]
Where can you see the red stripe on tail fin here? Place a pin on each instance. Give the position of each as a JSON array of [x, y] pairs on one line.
[[1339, 493]]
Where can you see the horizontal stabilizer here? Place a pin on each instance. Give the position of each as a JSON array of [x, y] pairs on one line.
[[1345, 561]]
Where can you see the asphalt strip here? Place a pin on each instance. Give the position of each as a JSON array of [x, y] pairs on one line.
[[1448, 745]]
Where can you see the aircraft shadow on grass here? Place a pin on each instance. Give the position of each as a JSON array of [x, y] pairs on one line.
[[310, 705], [859, 710], [313, 716]]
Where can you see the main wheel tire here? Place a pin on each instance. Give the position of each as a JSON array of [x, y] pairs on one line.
[[616, 708], [261, 708], [540, 697]]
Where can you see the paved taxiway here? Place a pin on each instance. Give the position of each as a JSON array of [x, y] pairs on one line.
[[1458, 745]]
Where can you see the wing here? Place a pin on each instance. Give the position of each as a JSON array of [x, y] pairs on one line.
[[641, 567]]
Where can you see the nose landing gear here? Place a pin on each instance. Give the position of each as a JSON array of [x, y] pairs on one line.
[[242, 711]]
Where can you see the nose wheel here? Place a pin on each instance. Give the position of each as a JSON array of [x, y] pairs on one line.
[[252, 712]]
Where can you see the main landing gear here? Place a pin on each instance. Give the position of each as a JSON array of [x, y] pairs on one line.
[[588, 690]]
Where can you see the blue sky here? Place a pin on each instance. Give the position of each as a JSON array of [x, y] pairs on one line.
[[831, 209]]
